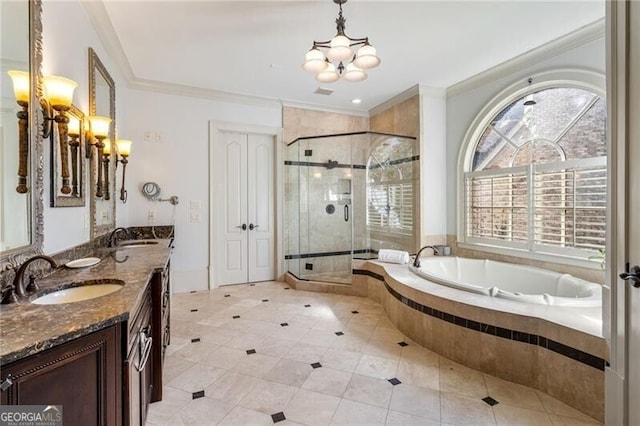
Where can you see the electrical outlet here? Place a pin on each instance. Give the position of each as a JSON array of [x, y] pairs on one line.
[[105, 216], [151, 215], [158, 137], [147, 136], [195, 204], [195, 217]]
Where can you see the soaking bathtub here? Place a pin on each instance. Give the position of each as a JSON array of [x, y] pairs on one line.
[[510, 281]]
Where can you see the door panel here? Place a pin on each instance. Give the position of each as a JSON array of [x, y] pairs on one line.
[[632, 213], [234, 264], [261, 208]]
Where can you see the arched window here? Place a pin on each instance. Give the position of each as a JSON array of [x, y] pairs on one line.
[[536, 175]]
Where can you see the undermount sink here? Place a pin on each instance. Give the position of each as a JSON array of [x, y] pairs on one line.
[[78, 293], [136, 243]]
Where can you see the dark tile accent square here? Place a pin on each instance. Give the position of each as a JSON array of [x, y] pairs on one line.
[[448, 317], [394, 381], [265, 300], [194, 310], [252, 285], [503, 332], [236, 316], [403, 344], [251, 351], [462, 322], [474, 325], [308, 152], [355, 312], [488, 329], [307, 306], [339, 333], [520, 336], [196, 395], [490, 401], [316, 365], [308, 266], [542, 341], [192, 291], [278, 417], [284, 324], [227, 295], [195, 340], [286, 288]]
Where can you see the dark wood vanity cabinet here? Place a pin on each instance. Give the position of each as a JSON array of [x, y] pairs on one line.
[[161, 293], [138, 365], [82, 375]]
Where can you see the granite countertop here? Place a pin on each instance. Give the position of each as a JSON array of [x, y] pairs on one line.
[[27, 328]]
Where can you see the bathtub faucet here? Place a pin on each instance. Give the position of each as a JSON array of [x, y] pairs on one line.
[[416, 262]]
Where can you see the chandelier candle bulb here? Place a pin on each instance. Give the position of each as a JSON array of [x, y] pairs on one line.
[[329, 75], [366, 57], [124, 147], [99, 126], [353, 73], [73, 127], [314, 61], [340, 50], [106, 149]]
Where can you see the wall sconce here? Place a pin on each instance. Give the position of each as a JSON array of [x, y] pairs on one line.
[[106, 158], [73, 130], [99, 132], [124, 150], [59, 96], [21, 86]]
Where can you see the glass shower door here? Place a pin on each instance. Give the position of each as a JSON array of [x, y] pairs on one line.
[[326, 210]]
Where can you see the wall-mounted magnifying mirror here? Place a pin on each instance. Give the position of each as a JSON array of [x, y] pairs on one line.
[[102, 103], [21, 228], [67, 163]]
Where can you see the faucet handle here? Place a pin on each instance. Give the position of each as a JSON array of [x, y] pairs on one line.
[[33, 285]]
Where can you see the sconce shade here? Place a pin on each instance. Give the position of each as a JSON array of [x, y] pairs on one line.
[[106, 149], [353, 73], [314, 61], [99, 125], [124, 147], [340, 50], [366, 57], [73, 127], [21, 84], [329, 75], [59, 90]]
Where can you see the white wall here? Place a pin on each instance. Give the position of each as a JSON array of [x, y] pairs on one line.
[[433, 170], [463, 107], [179, 163], [67, 36]]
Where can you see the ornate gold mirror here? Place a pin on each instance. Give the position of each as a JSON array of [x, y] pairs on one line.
[[67, 163], [21, 227], [102, 102]]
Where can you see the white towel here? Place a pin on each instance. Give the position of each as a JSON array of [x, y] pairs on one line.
[[393, 256]]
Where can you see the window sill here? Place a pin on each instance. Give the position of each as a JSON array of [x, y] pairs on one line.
[[525, 254]]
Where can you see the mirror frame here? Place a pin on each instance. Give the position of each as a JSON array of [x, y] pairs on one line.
[[10, 259], [96, 65], [57, 200]]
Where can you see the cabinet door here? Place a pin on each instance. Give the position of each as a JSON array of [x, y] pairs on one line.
[[83, 376]]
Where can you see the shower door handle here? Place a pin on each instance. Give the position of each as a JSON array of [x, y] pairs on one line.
[[633, 276], [346, 212]]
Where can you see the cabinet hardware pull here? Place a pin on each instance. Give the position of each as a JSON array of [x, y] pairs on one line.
[[6, 384], [144, 350]]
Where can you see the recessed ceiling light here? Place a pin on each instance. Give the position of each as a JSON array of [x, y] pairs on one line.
[[356, 100]]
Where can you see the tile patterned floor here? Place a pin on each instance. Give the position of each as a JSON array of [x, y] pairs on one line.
[[259, 354]]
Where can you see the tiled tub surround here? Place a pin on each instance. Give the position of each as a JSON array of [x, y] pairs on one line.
[[558, 350], [26, 328]]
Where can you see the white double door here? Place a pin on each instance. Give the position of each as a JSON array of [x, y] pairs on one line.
[[245, 210]]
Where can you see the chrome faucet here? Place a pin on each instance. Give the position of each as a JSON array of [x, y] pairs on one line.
[[113, 238], [416, 261], [18, 281]]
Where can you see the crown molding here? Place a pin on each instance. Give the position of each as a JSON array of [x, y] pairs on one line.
[[399, 98], [323, 108], [572, 40]]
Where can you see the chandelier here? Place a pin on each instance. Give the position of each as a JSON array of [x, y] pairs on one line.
[[339, 52]]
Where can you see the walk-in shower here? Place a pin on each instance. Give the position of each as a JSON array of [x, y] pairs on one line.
[[347, 196]]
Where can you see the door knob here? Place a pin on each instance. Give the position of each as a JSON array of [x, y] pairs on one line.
[[252, 226], [243, 226], [633, 276]]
